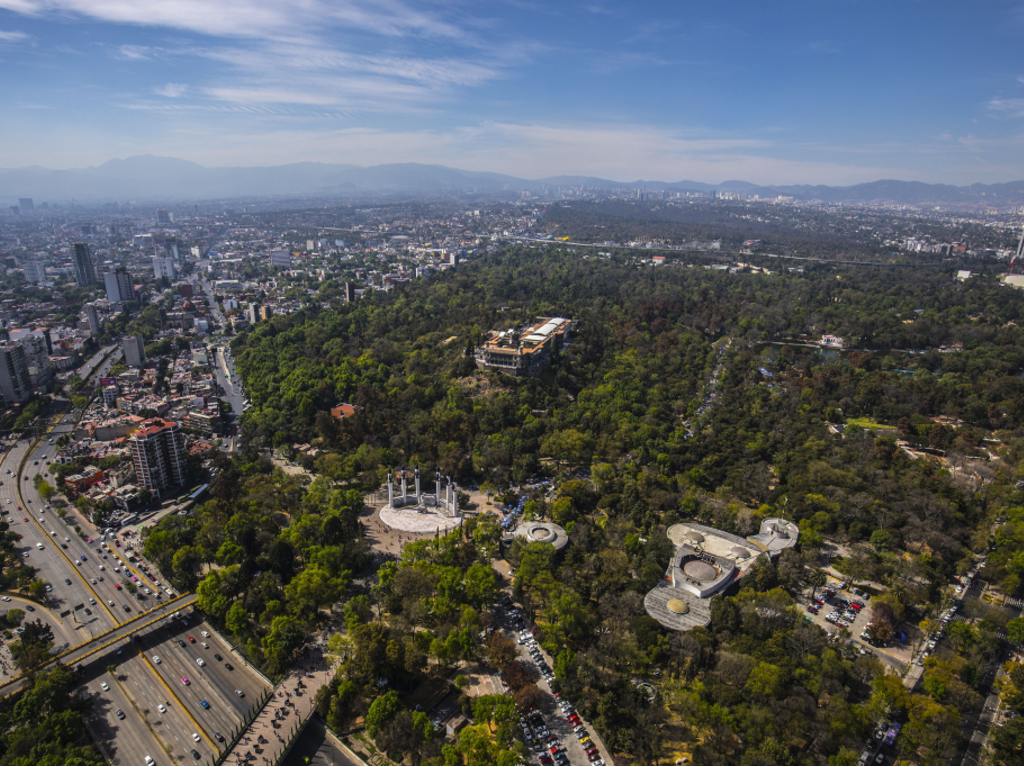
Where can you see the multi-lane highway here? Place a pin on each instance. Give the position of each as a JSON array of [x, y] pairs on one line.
[[176, 711], [102, 592], [93, 581]]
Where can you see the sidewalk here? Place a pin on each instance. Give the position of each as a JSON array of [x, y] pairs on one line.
[[275, 728]]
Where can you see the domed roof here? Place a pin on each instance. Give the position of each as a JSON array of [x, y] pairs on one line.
[[700, 571], [678, 606], [740, 553], [694, 536]]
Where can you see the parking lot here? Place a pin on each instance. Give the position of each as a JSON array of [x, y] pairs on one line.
[[560, 737], [837, 608]]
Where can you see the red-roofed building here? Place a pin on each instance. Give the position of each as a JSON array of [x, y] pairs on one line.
[[343, 411], [158, 454]]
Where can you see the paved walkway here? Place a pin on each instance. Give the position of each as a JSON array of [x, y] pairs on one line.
[[272, 732]]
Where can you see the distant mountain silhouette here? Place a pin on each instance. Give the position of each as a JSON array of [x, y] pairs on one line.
[[150, 178]]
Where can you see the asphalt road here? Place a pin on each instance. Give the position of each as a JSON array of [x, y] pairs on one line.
[[93, 597], [228, 381]]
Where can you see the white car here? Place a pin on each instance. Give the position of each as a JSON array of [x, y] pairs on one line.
[[104, 686], [162, 708], [39, 546], [156, 659], [195, 737], [200, 662], [150, 762]]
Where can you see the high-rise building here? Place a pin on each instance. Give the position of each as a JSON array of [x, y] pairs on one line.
[[281, 259], [266, 312], [34, 271], [252, 312], [15, 385], [134, 348], [164, 217], [92, 318], [453, 258], [350, 292], [26, 204], [85, 269], [37, 347], [158, 454], [119, 286], [164, 266]]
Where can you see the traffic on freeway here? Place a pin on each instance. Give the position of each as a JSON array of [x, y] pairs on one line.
[[176, 710], [92, 579]]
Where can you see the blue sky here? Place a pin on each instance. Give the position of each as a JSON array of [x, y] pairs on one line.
[[770, 91]]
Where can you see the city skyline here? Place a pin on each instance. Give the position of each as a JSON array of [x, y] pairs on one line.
[[779, 95]]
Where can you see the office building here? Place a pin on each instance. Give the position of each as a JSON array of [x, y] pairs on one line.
[[34, 271], [119, 286], [164, 267], [134, 348], [37, 348], [85, 269], [164, 217], [15, 385], [158, 454], [26, 204], [281, 259], [92, 318], [266, 312]]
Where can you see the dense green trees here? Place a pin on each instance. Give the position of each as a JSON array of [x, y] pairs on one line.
[[264, 555], [677, 398], [45, 724]]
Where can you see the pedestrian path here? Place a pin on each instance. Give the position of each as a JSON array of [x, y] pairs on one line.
[[269, 736]]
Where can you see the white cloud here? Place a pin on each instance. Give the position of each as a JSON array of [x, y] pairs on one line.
[[1013, 107], [12, 36], [252, 18], [134, 52], [171, 90]]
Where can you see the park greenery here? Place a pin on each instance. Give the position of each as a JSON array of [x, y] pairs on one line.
[[685, 393]]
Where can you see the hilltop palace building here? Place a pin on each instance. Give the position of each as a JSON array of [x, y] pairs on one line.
[[421, 512], [524, 350]]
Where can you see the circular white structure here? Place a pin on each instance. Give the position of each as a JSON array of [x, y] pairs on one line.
[[700, 571], [419, 512], [411, 519], [543, 532]]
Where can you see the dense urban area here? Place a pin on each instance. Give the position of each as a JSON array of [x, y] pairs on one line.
[[565, 477]]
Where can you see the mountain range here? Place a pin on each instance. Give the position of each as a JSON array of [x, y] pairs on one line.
[[150, 178]]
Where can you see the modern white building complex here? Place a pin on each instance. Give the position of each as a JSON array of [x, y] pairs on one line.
[[705, 562]]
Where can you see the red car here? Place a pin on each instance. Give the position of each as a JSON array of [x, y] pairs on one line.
[[117, 586], [186, 681], [191, 639]]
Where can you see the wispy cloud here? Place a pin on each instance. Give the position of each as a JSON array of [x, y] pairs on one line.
[[1014, 107], [252, 18], [12, 36], [134, 52], [171, 90]]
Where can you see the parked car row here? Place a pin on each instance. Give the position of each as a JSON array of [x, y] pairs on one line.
[[555, 753]]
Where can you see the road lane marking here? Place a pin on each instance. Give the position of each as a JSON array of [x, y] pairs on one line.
[[47, 536], [179, 701]]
